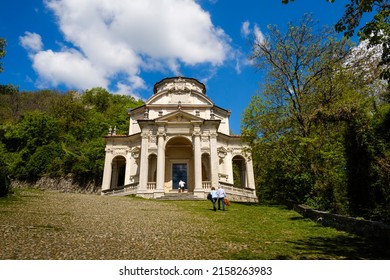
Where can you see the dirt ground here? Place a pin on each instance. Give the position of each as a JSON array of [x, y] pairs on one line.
[[52, 225]]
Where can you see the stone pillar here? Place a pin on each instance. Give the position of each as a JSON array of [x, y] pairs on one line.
[[160, 160], [214, 160], [128, 167], [229, 166], [250, 175], [107, 174], [144, 164], [197, 160]]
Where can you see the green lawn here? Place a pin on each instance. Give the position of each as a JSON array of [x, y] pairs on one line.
[[52, 225], [274, 232]]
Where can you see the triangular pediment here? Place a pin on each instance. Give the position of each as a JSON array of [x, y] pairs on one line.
[[179, 116]]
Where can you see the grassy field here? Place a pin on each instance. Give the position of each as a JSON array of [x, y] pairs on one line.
[[37, 224]]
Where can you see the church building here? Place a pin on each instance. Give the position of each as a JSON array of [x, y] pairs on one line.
[[178, 135]]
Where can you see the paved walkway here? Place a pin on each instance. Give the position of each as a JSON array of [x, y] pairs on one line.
[[53, 225]]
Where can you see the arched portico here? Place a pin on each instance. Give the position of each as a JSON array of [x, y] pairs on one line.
[[179, 163], [239, 172], [118, 171]]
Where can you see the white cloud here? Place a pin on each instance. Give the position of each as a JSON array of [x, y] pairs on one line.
[[31, 42], [112, 38], [245, 31], [68, 67], [257, 34]]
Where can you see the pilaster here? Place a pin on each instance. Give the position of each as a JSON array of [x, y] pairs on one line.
[[160, 159], [143, 176], [251, 177], [229, 165], [107, 174], [214, 160], [197, 159]]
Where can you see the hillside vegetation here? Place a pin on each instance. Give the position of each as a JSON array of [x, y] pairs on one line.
[[48, 133]]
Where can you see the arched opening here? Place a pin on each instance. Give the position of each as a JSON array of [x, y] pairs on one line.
[[152, 172], [118, 171], [206, 174], [179, 163], [239, 172]]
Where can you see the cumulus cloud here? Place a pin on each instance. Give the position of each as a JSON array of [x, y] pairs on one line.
[[31, 42], [68, 67], [123, 38]]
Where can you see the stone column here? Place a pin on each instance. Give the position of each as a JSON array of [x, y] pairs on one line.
[[107, 174], [128, 167], [144, 164], [197, 160], [229, 166], [160, 160], [214, 160], [250, 175]]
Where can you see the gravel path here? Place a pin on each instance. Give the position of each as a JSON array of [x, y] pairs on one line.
[[54, 225]]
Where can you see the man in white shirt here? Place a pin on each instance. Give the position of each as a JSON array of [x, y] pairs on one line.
[[221, 194], [181, 186]]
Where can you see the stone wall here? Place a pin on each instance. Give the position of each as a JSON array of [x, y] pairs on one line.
[[65, 184], [366, 228]]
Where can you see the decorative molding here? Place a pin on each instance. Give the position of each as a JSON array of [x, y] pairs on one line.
[[152, 139], [222, 152], [135, 152], [205, 139]]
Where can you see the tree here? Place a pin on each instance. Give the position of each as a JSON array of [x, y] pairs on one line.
[[294, 126], [3, 43], [4, 182], [376, 31]]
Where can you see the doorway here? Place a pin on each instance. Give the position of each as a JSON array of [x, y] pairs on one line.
[[179, 172]]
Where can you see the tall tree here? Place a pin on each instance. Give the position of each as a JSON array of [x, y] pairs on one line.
[[4, 182], [293, 125]]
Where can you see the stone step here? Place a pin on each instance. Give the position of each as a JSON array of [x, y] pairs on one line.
[[179, 196]]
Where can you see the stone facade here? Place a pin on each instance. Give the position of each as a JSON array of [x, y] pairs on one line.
[[179, 134]]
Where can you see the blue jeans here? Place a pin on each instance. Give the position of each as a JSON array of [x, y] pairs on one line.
[[219, 203], [214, 200]]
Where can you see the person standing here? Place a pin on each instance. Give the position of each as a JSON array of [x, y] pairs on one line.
[[221, 194], [214, 197]]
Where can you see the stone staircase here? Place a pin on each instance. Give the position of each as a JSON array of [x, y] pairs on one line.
[[179, 196]]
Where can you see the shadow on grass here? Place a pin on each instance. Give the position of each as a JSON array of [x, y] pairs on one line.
[[342, 247], [320, 248]]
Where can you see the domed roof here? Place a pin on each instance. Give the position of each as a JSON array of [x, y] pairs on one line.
[[179, 84]]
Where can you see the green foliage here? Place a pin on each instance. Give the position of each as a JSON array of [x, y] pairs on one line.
[[3, 43], [318, 131], [46, 133], [4, 181], [376, 31]]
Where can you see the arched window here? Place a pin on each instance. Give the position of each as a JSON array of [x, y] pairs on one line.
[[152, 173], [239, 172], [206, 167]]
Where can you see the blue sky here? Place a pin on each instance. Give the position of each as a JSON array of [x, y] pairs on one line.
[[127, 46]]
